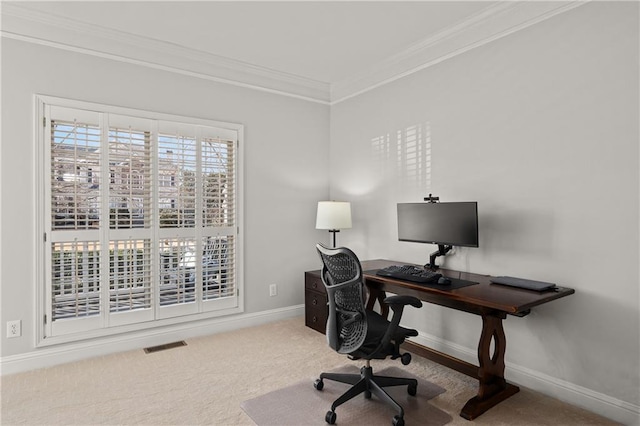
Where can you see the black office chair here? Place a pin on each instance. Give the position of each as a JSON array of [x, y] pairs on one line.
[[362, 334]]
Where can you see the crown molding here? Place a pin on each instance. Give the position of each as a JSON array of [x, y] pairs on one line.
[[21, 23], [494, 22]]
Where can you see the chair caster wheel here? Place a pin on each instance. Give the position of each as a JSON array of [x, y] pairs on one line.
[[331, 417], [412, 390], [398, 421], [405, 358], [318, 384]]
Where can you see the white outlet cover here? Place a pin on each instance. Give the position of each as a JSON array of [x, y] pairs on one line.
[[14, 329]]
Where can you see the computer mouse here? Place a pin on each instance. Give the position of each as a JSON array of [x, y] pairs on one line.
[[444, 280]]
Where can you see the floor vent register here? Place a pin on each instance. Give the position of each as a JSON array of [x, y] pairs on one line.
[[164, 347]]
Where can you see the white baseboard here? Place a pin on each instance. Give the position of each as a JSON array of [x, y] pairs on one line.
[[61, 354], [612, 408]]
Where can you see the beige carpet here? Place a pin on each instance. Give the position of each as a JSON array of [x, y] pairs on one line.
[[302, 404], [205, 382]]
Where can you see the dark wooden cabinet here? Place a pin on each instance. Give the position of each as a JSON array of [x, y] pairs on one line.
[[316, 310]]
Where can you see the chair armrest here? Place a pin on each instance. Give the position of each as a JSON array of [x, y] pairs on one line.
[[403, 300], [397, 304]]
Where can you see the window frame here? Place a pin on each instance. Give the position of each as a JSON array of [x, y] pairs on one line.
[[42, 140]]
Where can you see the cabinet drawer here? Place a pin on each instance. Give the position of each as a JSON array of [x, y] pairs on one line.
[[316, 310], [312, 281]]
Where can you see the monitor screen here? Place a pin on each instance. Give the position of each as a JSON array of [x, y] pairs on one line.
[[453, 224]]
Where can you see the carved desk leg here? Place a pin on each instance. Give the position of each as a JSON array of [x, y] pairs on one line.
[[377, 295], [493, 388]]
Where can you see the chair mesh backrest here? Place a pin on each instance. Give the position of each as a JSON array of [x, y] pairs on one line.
[[342, 277]]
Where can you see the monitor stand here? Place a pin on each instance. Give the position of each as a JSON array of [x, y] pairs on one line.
[[442, 250]]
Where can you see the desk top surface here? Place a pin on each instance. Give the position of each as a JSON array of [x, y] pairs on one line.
[[473, 298]]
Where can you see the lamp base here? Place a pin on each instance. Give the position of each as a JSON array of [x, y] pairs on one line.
[[333, 231]]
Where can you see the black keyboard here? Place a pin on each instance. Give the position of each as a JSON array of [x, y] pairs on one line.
[[409, 273]]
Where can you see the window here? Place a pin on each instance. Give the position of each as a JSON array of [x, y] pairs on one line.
[[140, 219]]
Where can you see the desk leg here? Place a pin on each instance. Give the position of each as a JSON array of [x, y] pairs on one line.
[[493, 387], [377, 295]]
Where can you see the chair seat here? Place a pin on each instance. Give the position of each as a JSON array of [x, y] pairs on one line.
[[377, 325]]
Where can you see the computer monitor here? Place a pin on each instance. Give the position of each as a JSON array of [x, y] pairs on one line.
[[444, 224]]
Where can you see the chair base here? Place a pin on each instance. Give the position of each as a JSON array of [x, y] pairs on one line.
[[368, 383]]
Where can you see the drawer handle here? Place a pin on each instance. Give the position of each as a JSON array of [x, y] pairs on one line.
[[314, 285], [315, 301], [315, 319]]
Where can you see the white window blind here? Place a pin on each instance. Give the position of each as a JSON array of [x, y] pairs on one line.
[[141, 218]]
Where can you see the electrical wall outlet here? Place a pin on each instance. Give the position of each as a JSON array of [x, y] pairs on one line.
[[273, 290], [14, 329]]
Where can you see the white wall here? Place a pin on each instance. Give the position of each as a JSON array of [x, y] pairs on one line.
[[286, 162], [541, 128]]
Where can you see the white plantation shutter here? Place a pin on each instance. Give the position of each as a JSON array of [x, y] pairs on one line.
[[73, 250], [129, 178], [128, 234], [75, 171], [177, 271], [76, 276], [140, 219], [130, 275], [218, 180], [177, 159], [219, 268], [196, 274], [180, 269]]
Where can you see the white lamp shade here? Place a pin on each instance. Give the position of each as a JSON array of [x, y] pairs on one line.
[[333, 215]]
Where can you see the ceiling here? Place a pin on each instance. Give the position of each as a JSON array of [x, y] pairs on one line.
[[322, 41], [320, 45]]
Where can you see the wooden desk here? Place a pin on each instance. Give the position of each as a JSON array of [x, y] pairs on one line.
[[491, 301]]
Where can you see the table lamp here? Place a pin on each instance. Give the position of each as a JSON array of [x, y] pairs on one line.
[[334, 216]]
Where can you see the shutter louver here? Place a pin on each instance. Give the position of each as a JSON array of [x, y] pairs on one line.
[[75, 275], [218, 267], [177, 167], [129, 179], [218, 182], [177, 271], [75, 171], [130, 275]]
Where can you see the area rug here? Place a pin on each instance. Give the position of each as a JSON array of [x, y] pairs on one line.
[[301, 404]]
